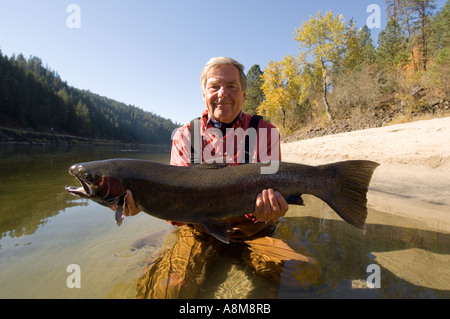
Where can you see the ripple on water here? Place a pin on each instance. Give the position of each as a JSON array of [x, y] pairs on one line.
[[112, 253]]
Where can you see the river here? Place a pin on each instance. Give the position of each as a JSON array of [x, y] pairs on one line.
[[53, 245]]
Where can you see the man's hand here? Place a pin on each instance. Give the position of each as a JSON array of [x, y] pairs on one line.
[[270, 206]]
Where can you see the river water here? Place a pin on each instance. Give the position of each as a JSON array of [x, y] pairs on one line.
[[44, 232]]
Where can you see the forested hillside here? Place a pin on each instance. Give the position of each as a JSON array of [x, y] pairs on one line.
[[341, 80], [33, 97]]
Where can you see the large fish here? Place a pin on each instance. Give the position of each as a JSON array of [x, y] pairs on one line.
[[207, 193]]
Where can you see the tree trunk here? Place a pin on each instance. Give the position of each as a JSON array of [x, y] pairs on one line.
[[424, 40], [327, 106]]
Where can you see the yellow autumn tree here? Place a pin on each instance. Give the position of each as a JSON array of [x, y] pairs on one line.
[[281, 88], [322, 39]]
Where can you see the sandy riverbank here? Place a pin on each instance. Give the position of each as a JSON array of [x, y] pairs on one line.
[[414, 175]]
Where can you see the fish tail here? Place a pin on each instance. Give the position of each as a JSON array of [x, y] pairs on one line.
[[347, 195]]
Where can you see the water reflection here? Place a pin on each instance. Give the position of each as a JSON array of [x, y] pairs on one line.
[[30, 191], [182, 270], [33, 180], [44, 229], [413, 261], [41, 225], [345, 252]]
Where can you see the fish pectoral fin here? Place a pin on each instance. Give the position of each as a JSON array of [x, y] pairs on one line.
[[217, 228], [295, 200], [119, 212]]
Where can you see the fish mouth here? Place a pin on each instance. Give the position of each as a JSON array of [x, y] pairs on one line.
[[84, 191]]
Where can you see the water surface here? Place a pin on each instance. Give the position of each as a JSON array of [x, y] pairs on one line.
[[43, 230]]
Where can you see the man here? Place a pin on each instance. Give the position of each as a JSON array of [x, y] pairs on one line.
[[181, 270], [224, 87]]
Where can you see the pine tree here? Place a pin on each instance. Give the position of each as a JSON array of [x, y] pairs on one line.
[[424, 9], [255, 95], [391, 50]]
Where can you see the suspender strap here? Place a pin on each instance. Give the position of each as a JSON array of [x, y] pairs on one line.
[[196, 140], [254, 123]]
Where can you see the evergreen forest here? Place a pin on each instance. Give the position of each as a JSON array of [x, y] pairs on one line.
[[35, 98]]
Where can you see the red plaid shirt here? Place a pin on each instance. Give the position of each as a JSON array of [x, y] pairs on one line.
[[214, 146]]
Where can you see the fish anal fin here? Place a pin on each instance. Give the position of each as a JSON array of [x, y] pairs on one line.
[[217, 228]]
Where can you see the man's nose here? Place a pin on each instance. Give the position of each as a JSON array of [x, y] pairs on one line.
[[223, 92]]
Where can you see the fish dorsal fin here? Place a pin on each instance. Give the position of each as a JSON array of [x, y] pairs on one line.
[[212, 165]]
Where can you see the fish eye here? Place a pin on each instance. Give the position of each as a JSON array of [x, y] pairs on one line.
[[88, 177]]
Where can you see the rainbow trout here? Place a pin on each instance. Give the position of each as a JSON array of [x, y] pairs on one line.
[[207, 193]]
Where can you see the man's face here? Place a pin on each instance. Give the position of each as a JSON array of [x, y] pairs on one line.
[[223, 93]]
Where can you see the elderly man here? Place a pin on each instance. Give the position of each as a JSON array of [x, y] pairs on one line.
[[180, 271], [224, 85]]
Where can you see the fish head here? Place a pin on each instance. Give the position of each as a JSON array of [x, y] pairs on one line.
[[98, 183]]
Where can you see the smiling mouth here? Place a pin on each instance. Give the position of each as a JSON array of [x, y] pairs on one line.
[[222, 106]]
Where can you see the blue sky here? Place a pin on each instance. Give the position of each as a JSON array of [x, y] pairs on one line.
[[150, 53]]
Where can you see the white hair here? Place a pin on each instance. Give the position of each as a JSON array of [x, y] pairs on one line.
[[215, 62]]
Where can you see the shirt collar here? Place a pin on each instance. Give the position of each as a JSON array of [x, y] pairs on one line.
[[218, 124]]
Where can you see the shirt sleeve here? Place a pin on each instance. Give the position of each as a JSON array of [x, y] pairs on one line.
[[181, 151]]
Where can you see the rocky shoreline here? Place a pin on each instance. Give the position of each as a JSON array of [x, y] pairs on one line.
[[389, 112], [22, 136]]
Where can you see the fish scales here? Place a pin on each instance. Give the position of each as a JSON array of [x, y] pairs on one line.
[[208, 193], [194, 194]]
